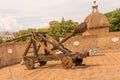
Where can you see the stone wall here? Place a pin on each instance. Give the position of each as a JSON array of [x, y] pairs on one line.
[[75, 44], [85, 43], [109, 41], [99, 31], [8, 57], [102, 42]]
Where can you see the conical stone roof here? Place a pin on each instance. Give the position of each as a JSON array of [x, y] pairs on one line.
[[96, 19]]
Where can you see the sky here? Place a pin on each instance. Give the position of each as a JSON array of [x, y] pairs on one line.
[[17, 15]]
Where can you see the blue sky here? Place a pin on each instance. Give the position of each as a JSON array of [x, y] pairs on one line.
[[16, 15]]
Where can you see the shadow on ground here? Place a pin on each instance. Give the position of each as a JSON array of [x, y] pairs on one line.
[[60, 66]]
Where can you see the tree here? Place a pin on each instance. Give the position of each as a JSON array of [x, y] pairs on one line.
[[114, 19], [42, 30], [62, 28], [28, 31], [20, 33], [1, 40]]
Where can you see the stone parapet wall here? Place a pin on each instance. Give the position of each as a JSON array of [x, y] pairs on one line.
[[85, 43], [14, 57], [99, 31], [76, 44], [109, 41]]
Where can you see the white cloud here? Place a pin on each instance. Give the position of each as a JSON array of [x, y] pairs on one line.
[[18, 14], [8, 23]]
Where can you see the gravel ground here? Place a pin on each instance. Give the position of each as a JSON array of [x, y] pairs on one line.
[[97, 68]]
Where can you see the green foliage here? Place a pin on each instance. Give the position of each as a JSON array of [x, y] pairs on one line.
[[42, 30], [114, 19], [28, 31], [1, 40], [62, 28]]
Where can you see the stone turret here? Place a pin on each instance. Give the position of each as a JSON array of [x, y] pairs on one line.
[[97, 23]]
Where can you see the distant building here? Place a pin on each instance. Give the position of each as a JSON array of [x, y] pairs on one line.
[[53, 23], [6, 36]]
